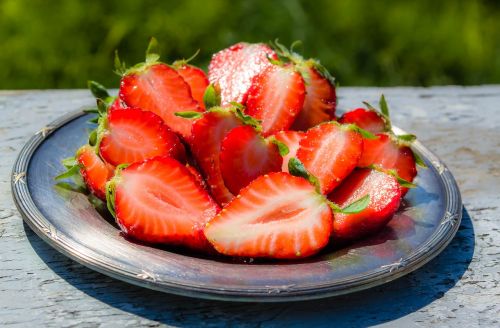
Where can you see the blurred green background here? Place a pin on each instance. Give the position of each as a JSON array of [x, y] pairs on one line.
[[62, 44]]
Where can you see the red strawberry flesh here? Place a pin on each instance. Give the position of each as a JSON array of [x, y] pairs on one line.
[[385, 197], [158, 88], [208, 133], [94, 170], [330, 152], [159, 201], [135, 135], [365, 119], [388, 154], [277, 216], [233, 69], [197, 80], [319, 102], [246, 155], [276, 97], [292, 140]]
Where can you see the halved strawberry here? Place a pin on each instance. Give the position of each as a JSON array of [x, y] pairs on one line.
[[197, 80], [366, 119], [94, 170], [233, 69], [197, 176], [159, 201], [134, 135], [246, 155], [385, 197], [330, 152], [275, 97], [320, 100], [389, 153], [158, 88], [207, 135], [277, 216], [291, 139]]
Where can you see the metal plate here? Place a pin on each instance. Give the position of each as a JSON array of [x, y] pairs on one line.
[[422, 228]]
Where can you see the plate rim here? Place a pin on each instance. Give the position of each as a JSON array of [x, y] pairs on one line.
[[428, 250]]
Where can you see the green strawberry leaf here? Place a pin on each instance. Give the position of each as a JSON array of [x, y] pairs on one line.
[[69, 162], [152, 52], [419, 160], [407, 138], [282, 147], [211, 97], [247, 119], [357, 206], [384, 109], [364, 133], [98, 90], [189, 114], [296, 168], [70, 173], [71, 187], [120, 67], [110, 196]]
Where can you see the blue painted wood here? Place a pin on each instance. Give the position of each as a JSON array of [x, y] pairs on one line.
[[39, 286]]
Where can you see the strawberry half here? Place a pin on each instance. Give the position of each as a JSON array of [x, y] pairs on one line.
[[277, 216], [275, 97], [197, 176], [330, 152], [385, 197], [207, 135], [292, 140], [246, 155], [158, 88], [389, 153], [197, 80], [94, 170], [366, 119], [159, 201], [320, 99], [232, 69], [134, 135]]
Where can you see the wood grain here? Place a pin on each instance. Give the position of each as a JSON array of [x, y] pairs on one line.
[[40, 287]]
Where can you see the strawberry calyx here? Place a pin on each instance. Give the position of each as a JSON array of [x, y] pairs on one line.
[[111, 188], [302, 65], [392, 172], [405, 140], [183, 62], [152, 58], [296, 168]]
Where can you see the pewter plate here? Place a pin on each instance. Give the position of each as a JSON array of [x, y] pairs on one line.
[[422, 228]]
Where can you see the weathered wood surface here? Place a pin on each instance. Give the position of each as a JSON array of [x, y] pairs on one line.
[[40, 287]]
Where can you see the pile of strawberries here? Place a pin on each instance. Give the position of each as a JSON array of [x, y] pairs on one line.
[[248, 161]]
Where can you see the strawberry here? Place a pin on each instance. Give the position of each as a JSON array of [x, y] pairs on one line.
[[133, 135], [291, 139], [197, 176], [275, 97], [156, 87], [117, 104], [366, 119], [232, 69], [159, 201], [330, 152], [246, 155], [207, 135], [320, 100], [390, 153], [385, 197], [94, 171], [196, 78], [276, 215]]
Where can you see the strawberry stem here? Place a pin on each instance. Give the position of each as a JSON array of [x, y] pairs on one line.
[[211, 97]]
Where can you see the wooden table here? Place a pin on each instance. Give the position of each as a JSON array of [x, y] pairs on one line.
[[40, 287]]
